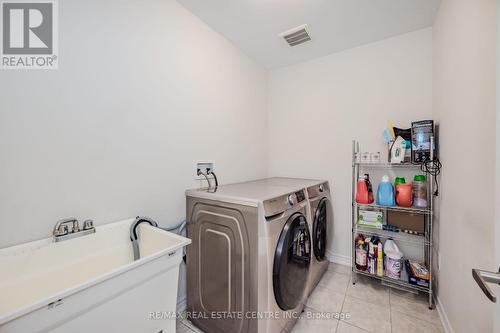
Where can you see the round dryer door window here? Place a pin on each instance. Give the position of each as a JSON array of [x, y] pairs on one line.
[[291, 262], [319, 229]]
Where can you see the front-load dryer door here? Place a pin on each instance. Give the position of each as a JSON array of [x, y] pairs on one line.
[[319, 229], [291, 262]]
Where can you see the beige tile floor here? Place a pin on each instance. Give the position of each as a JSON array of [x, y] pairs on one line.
[[371, 308]]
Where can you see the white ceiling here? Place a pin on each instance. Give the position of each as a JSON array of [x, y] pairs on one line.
[[334, 25]]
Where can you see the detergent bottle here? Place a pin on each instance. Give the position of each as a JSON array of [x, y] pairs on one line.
[[404, 195], [385, 192], [364, 192]]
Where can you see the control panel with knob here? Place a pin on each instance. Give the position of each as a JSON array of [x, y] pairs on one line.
[[317, 190], [280, 204]]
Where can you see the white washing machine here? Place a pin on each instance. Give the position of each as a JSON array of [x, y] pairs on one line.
[[248, 264], [320, 218]]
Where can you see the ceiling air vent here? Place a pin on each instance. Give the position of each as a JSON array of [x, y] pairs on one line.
[[296, 35]]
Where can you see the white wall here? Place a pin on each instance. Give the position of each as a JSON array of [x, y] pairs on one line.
[[316, 108], [464, 106], [143, 89], [496, 323]]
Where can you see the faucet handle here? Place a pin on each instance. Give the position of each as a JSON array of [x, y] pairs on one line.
[[62, 230], [88, 224]]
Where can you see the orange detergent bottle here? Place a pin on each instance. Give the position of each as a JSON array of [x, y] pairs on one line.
[[364, 192], [404, 194]]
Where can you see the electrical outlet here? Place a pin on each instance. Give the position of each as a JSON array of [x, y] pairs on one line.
[[203, 166]]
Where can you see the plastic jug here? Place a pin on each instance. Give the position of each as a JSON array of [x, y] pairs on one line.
[[385, 192], [419, 191], [364, 193], [404, 195], [393, 259]]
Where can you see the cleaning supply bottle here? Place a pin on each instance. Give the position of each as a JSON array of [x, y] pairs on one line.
[[385, 192], [404, 195], [364, 192], [393, 259], [371, 258], [419, 191], [380, 260], [361, 260]]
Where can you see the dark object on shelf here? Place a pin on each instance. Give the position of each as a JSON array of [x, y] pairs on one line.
[[406, 221], [405, 133], [414, 280], [421, 143], [390, 228]]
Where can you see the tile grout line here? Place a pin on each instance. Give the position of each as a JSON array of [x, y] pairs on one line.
[[411, 314], [364, 300], [390, 307], [421, 319], [343, 302], [342, 307], [345, 297]]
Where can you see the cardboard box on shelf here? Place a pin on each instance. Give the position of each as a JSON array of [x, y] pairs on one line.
[[406, 221]]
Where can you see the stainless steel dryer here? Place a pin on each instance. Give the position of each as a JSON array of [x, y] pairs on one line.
[[321, 219], [248, 264]]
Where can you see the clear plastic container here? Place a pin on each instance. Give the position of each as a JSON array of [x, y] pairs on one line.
[[420, 191]]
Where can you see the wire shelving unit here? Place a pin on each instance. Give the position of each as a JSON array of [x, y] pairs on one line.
[[425, 241]]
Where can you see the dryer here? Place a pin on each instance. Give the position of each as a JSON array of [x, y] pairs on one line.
[[320, 218], [248, 264]]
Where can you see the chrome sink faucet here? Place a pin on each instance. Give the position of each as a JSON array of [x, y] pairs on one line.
[[69, 228]]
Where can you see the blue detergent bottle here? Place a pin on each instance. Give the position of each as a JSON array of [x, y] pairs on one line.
[[385, 192]]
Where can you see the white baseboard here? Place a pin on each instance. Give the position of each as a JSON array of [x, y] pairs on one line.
[[442, 315], [182, 304], [338, 258]]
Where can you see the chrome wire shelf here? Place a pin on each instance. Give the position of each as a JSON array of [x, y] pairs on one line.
[[400, 283], [395, 208], [386, 234], [387, 165]]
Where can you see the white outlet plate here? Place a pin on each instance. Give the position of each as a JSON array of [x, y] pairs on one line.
[[203, 166]]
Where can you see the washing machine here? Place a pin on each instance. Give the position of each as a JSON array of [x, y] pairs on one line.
[[320, 218], [248, 264]]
